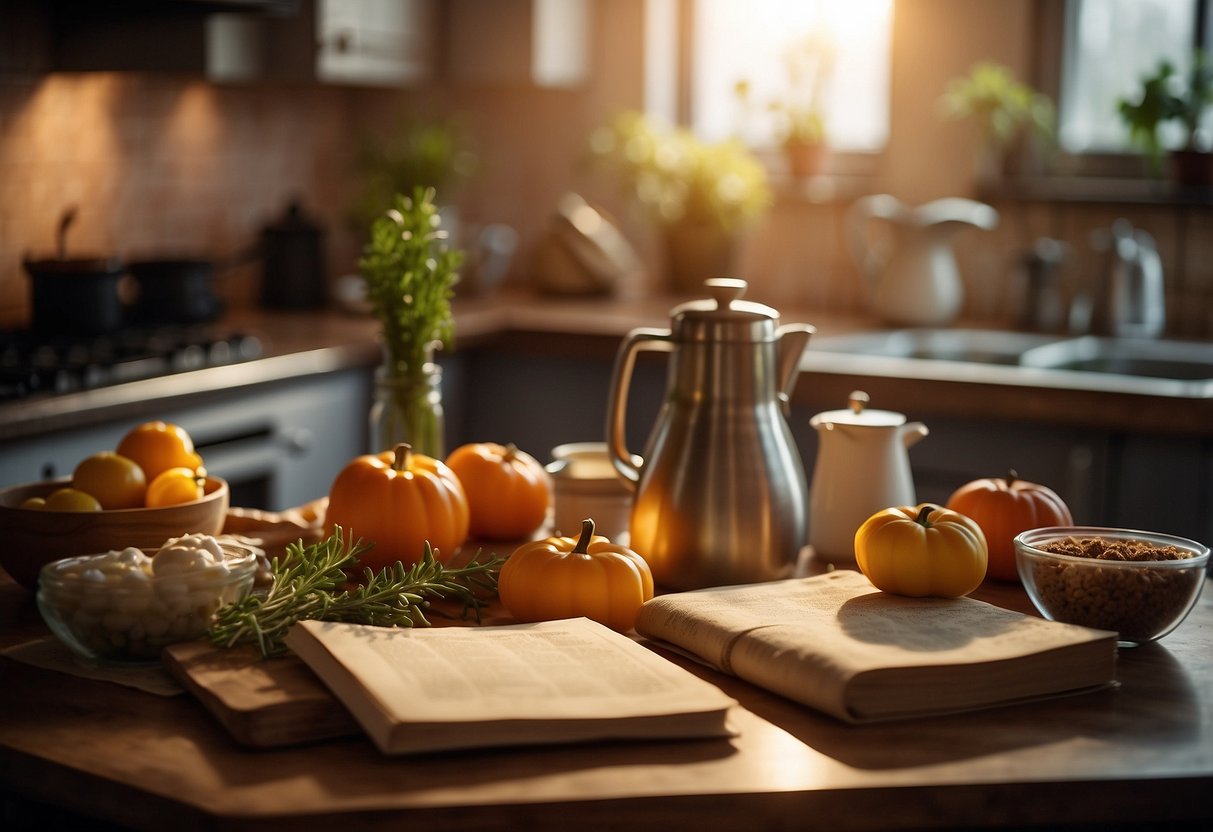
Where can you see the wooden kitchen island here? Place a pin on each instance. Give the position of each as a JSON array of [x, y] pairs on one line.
[[1139, 756]]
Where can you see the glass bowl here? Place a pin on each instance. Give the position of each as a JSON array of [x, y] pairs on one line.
[[1141, 600], [127, 606]]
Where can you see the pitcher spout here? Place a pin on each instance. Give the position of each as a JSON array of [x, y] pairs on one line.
[[792, 340]]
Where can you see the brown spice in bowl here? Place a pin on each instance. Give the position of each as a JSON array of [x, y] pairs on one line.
[[1137, 603], [1104, 549]]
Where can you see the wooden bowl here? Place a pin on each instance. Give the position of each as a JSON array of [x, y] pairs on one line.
[[34, 537]]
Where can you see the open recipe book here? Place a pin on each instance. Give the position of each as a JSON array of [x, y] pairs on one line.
[[416, 690], [836, 643]]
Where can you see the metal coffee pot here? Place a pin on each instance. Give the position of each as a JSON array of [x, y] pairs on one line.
[[862, 467], [720, 495]]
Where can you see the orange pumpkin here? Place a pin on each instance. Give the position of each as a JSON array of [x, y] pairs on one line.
[[398, 500], [566, 577], [1004, 507], [507, 489]]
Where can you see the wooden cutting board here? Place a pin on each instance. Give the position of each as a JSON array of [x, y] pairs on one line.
[[263, 703]]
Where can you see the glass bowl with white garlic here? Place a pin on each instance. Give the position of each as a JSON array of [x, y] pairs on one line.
[[128, 605]]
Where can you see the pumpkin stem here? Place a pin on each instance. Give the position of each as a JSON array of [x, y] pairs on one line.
[[511, 450], [1012, 475], [924, 511], [583, 542], [402, 456]]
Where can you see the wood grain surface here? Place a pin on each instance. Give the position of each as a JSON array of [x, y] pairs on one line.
[[1133, 755]]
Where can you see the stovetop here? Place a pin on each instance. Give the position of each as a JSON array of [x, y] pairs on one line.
[[38, 364]]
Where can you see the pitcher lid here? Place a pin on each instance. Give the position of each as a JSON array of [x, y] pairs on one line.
[[858, 413], [724, 316]]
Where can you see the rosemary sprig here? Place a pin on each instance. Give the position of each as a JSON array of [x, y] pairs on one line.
[[310, 582]]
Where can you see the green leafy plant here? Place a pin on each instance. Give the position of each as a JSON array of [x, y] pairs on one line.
[[1007, 111], [679, 178], [1167, 96], [415, 154], [410, 276], [312, 582]]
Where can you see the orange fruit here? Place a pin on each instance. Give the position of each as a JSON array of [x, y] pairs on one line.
[[158, 446], [71, 499], [173, 487], [114, 480], [33, 502]]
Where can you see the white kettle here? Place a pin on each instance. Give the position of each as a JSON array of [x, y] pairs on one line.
[[862, 467]]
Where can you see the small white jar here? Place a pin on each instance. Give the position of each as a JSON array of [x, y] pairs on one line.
[[585, 484]]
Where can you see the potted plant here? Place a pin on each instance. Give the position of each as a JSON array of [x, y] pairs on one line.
[[701, 194], [415, 153], [1167, 97], [1013, 118], [799, 110], [410, 275]]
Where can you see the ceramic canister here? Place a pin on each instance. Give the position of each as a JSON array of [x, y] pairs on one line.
[[862, 467]]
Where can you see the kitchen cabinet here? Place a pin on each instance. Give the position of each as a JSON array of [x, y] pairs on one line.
[[278, 445], [544, 43], [385, 43]]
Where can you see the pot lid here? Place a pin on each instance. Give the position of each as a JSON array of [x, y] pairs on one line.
[[858, 413], [724, 316]]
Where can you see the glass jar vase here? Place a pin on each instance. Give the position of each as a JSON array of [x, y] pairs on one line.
[[407, 407]]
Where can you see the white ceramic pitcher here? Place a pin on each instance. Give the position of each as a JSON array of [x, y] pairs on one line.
[[862, 467], [911, 269]]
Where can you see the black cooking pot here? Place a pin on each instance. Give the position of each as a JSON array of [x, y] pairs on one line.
[[76, 296], [175, 291]]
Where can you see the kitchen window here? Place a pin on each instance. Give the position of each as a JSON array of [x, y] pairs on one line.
[[1092, 53], [717, 43], [1110, 45]]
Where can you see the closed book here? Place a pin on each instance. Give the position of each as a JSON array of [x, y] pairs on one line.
[[837, 644]]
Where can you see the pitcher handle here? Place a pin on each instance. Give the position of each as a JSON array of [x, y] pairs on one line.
[[626, 463], [867, 257]]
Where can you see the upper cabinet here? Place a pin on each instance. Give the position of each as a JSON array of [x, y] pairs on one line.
[[372, 42], [358, 42], [543, 43]]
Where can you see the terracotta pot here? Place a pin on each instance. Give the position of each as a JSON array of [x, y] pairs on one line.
[[806, 160], [696, 251]]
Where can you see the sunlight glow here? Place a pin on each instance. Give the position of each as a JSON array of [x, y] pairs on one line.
[[751, 42]]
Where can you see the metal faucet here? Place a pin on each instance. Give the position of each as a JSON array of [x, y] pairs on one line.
[[1129, 300]]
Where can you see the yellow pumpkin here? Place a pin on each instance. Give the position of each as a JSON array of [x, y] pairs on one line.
[[921, 550], [567, 577], [398, 500], [1004, 507]]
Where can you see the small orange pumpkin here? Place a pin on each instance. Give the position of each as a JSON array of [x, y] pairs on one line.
[[566, 577], [1004, 507], [398, 500], [507, 489]]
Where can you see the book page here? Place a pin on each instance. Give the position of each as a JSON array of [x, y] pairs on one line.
[[554, 670]]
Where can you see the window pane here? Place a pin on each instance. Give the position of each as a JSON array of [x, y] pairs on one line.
[[753, 40], [1111, 46]]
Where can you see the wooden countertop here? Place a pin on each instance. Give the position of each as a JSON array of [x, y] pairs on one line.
[[319, 342], [1136, 755]]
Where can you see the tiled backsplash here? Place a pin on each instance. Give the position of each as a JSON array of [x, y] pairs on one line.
[[166, 167], [159, 167]]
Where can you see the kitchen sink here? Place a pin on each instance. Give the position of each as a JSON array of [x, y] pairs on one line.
[[1184, 360], [981, 346], [1179, 361]]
